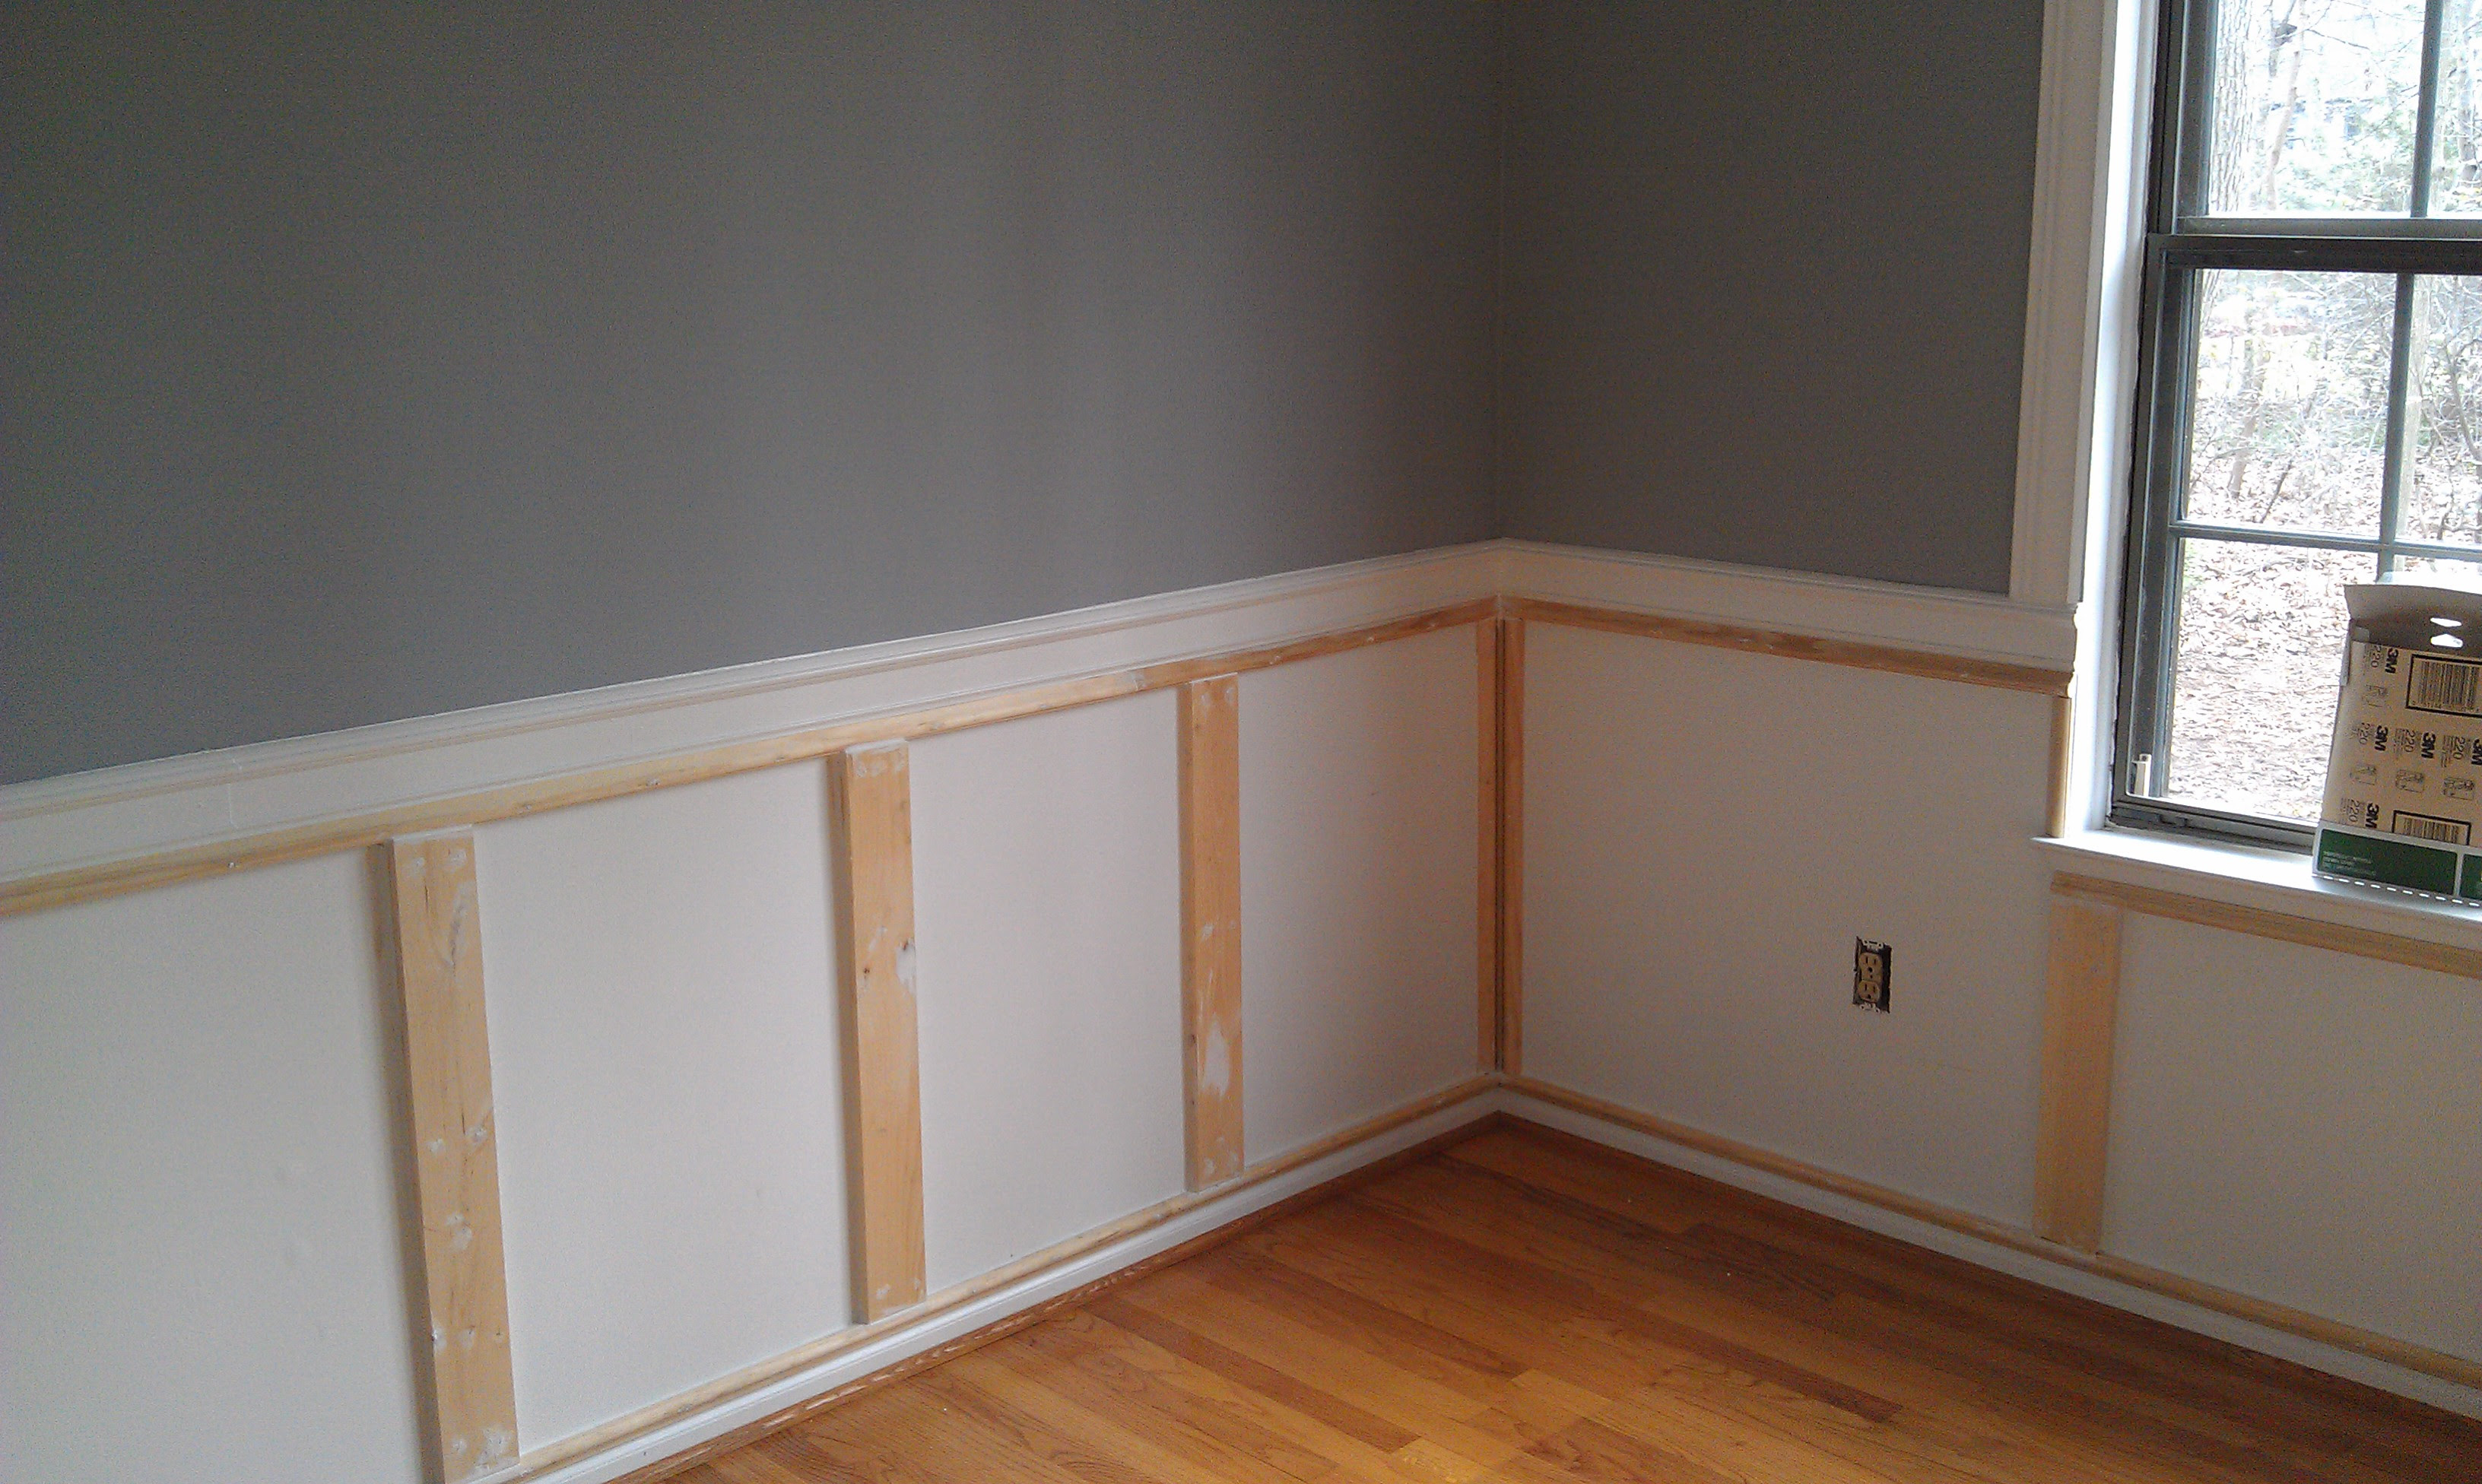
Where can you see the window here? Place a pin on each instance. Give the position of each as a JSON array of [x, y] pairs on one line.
[[2309, 391]]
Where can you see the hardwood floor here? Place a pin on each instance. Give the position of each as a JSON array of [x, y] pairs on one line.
[[1524, 1306]]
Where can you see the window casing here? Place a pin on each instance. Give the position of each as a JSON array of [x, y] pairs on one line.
[[2343, 310]]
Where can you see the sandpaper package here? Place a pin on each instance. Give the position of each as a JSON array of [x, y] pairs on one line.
[[2406, 764]]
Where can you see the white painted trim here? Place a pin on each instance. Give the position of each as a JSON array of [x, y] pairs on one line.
[[1939, 620], [2080, 294], [688, 1432], [177, 803], [2318, 1356], [206, 798], [2267, 880]]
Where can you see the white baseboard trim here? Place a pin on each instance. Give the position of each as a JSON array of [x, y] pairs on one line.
[[714, 1421], [2280, 1344], [1935, 620]]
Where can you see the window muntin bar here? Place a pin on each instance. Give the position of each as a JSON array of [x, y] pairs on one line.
[[2410, 246]]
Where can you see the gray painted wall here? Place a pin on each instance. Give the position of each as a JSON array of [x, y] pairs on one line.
[[374, 362], [371, 362], [1765, 281]]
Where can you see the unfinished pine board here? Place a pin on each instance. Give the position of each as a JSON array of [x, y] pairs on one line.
[[2032, 679], [1511, 913], [872, 819], [1487, 723], [1210, 928], [2055, 808], [456, 1158], [2072, 1131], [2449, 958]]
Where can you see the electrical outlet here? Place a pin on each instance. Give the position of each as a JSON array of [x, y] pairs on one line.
[[1873, 975]]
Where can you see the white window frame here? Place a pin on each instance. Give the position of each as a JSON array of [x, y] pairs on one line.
[[2078, 393]]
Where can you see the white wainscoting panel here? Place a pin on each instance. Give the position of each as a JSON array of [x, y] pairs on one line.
[[203, 1268], [2300, 1125], [1359, 816], [1047, 865], [664, 1057], [1706, 832]]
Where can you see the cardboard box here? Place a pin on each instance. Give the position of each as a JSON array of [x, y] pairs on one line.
[[2405, 767]]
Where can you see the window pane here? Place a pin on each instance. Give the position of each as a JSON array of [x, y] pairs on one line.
[[2444, 485], [2290, 421], [2261, 645], [2456, 157], [2448, 574], [2314, 104]]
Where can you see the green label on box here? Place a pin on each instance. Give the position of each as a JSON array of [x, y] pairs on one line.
[[2389, 862]]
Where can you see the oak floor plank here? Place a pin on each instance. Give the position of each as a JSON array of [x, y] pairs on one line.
[[2333, 1415], [2042, 1349], [1475, 1431], [2327, 1411], [1733, 1335], [1550, 1246], [1176, 1405], [1035, 1400], [1530, 1308], [1929, 1452]]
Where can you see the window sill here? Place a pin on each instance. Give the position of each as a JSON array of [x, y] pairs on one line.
[[2260, 879]]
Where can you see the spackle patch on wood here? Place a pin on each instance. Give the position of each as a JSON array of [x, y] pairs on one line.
[[1214, 1062]]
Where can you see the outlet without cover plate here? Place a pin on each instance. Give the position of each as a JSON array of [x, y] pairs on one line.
[[1873, 975]]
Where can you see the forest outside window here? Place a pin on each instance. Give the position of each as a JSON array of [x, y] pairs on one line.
[[2311, 383]]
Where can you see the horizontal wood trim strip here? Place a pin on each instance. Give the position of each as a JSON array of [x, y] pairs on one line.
[[2189, 1290], [622, 1429], [2032, 679], [112, 878], [2258, 922]]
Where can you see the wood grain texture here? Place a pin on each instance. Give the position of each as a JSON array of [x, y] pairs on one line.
[[871, 802], [2359, 942], [1512, 845], [437, 928], [2034, 680], [1487, 842], [267, 847], [1210, 928], [749, 1378], [2055, 804], [2072, 1131], [1522, 1306], [2205, 1295]]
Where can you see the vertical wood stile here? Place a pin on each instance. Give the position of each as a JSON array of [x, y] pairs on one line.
[[1512, 845], [2055, 810], [1210, 928], [2073, 1131], [871, 804], [438, 941], [1486, 966]]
